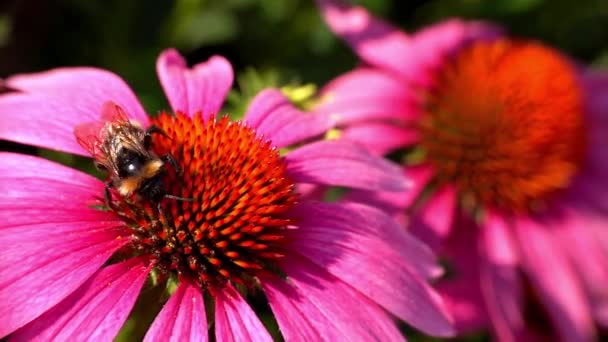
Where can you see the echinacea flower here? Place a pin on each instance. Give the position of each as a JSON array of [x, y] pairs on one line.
[[505, 142], [72, 271]]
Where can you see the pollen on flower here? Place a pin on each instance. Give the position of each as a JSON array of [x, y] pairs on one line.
[[504, 123], [234, 226]]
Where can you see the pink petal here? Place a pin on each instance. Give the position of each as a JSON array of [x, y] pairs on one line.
[[49, 205], [35, 276], [53, 102], [595, 83], [500, 278], [554, 280], [96, 311], [340, 163], [395, 202], [363, 247], [182, 318], [461, 290], [235, 320], [585, 240], [384, 46], [464, 303], [48, 194], [203, 88], [380, 138], [375, 41], [433, 221], [430, 47], [312, 305], [50, 199], [276, 119], [368, 94]]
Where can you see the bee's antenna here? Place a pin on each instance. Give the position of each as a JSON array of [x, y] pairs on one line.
[[177, 198]]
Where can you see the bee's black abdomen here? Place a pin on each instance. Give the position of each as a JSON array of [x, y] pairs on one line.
[[153, 189]]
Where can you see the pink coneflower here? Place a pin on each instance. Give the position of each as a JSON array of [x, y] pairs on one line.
[[507, 141], [70, 271]]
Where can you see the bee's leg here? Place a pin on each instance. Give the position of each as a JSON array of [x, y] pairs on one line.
[[153, 129], [107, 196], [167, 158], [161, 213]]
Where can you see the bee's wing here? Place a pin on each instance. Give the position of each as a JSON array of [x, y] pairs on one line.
[[90, 136], [112, 112]]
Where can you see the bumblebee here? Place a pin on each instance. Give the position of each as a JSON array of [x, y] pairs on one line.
[[122, 149]]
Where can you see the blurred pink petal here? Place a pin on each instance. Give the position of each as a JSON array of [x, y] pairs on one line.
[[305, 307], [501, 284], [182, 318], [343, 164], [433, 221], [235, 320], [96, 311], [464, 304], [388, 48], [276, 119], [51, 103], [554, 281], [375, 41], [461, 288], [393, 202], [342, 239], [588, 253], [380, 138], [202, 88], [366, 93], [596, 84]]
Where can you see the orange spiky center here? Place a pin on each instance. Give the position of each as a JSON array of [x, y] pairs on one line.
[[505, 124], [234, 225]]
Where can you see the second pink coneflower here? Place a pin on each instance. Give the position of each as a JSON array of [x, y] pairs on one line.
[[505, 141]]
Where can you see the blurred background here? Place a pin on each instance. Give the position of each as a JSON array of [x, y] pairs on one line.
[[269, 42]]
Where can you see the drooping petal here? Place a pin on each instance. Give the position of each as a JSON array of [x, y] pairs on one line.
[[380, 138], [384, 46], [554, 280], [583, 237], [460, 289], [273, 116], [364, 247], [235, 320], [312, 305], [463, 301], [51, 241], [433, 221], [595, 83], [96, 311], [340, 163], [182, 318], [500, 278], [395, 202], [375, 41], [202, 88], [52, 103], [368, 94]]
